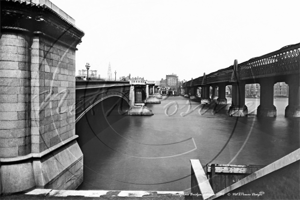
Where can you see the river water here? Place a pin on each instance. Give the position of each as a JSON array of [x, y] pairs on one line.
[[153, 153]]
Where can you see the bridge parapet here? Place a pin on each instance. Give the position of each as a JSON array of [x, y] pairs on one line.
[[137, 81], [80, 84], [52, 6], [150, 82]]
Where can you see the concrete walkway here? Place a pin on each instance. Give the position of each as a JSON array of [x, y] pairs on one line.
[[98, 194]]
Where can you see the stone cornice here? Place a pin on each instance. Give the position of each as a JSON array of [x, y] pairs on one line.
[[38, 155], [29, 17]]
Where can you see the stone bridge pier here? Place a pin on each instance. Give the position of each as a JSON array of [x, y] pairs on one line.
[[238, 107], [38, 146], [293, 108], [213, 92], [266, 107], [205, 93], [139, 96], [222, 94], [151, 98], [187, 91], [193, 92]]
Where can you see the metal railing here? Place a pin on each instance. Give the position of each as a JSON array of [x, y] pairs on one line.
[[284, 61]]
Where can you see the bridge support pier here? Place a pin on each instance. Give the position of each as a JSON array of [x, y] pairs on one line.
[[213, 92], [131, 96], [152, 99], [147, 91], [137, 109], [38, 146], [266, 107], [197, 93], [293, 109], [222, 94], [238, 107], [193, 91], [205, 95]]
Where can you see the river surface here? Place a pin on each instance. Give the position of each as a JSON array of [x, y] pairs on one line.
[[153, 153]]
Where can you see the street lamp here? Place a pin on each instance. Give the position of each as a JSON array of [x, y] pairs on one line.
[[87, 66], [115, 74]]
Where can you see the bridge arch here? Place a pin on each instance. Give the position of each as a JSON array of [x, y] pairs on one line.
[[89, 102]]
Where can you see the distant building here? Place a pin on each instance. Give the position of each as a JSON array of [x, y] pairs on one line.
[[157, 83], [172, 81], [163, 83], [92, 74], [109, 74], [252, 90], [281, 89], [125, 78], [170, 85], [82, 73]]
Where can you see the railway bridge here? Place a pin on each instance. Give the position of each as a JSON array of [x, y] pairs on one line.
[[282, 65]]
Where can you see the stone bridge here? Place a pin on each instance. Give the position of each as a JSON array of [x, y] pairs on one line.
[[282, 65], [91, 93], [38, 95]]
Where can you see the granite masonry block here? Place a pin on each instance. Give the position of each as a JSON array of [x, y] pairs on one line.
[[35, 147], [24, 66], [9, 65], [10, 36], [23, 90], [13, 74], [6, 116], [14, 133], [12, 107], [14, 142], [24, 150], [13, 42], [22, 51], [7, 90], [24, 82], [55, 140], [22, 115], [24, 98], [6, 98], [12, 82], [8, 152], [13, 124]]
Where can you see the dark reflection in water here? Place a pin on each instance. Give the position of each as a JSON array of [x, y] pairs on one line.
[[153, 153]]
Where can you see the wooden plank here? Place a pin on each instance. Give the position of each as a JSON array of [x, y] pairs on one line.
[[203, 183], [234, 169]]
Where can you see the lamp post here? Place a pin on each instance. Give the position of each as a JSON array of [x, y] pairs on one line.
[[115, 74], [87, 66]]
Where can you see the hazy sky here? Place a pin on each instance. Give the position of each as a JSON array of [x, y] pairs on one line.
[[152, 38]]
